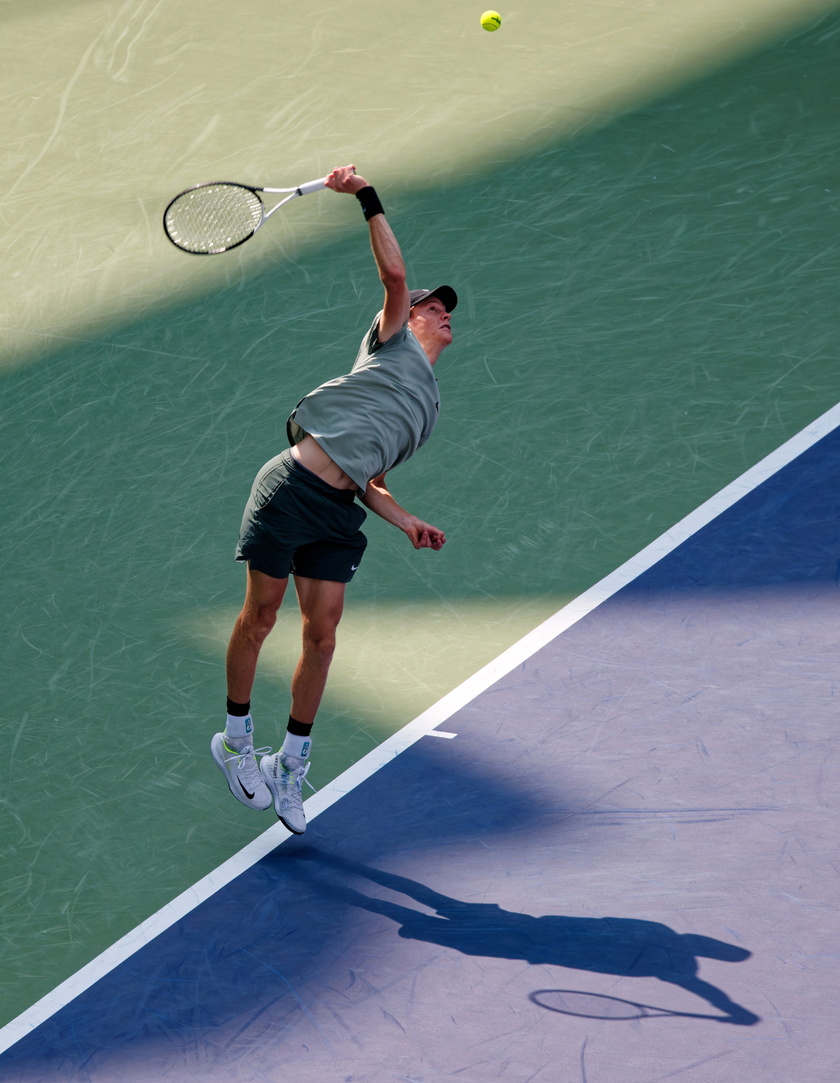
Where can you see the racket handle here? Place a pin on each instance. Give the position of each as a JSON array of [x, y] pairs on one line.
[[311, 186]]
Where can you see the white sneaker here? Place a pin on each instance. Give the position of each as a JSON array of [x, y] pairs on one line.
[[240, 769], [284, 776]]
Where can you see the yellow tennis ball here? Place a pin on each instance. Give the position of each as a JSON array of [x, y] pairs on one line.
[[491, 20]]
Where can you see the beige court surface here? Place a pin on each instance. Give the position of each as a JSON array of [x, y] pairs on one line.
[[637, 203]]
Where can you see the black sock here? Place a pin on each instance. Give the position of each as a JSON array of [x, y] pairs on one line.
[[299, 729], [238, 709]]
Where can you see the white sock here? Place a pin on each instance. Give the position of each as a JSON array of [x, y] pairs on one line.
[[239, 731], [296, 746]]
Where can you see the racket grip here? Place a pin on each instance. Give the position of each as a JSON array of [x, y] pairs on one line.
[[311, 186]]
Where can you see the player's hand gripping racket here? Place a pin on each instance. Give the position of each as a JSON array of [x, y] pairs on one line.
[[208, 219]]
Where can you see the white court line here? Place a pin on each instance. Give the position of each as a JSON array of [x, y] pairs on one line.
[[421, 726]]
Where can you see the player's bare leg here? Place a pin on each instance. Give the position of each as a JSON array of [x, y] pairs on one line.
[[321, 607], [263, 597]]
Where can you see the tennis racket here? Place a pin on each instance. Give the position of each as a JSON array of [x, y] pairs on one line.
[[208, 219]]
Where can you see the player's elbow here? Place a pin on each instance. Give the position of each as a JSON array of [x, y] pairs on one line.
[[393, 277], [375, 488]]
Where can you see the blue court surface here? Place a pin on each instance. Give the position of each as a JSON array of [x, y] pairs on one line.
[[620, 869]]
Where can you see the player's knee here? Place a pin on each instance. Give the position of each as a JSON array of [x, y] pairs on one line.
[[320, 643], [258, 621]]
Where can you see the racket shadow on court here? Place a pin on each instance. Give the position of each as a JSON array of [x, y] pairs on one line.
[[625, 947]]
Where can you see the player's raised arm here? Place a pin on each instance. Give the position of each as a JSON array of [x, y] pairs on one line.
[[386, 249]]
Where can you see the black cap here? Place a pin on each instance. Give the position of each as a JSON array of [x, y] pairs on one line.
[[443, 293]]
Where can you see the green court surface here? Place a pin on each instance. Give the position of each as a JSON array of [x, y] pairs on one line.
[[638, 205]]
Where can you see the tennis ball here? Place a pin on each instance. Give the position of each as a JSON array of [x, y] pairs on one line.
[[491, 20]]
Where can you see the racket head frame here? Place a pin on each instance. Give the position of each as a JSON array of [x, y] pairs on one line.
[[256, 204]]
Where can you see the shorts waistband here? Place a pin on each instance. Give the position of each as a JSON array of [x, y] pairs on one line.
[[342, 496]]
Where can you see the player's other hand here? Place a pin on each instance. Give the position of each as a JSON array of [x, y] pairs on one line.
[[345, 179], [425, 536]]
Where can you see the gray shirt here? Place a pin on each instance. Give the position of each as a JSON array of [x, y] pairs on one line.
[[379, 414]]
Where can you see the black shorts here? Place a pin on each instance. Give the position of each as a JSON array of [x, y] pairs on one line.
[[295, 522]]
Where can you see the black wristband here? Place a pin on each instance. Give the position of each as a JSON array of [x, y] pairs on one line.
[[370, 202]]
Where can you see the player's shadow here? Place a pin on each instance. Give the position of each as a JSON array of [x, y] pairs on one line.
[[625, 947]]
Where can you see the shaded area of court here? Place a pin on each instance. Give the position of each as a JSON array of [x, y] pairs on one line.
[[620, 868]]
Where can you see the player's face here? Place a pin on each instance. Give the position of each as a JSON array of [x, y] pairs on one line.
[[429, 319]]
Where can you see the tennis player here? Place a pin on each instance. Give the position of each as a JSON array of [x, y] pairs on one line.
[[305, 512]]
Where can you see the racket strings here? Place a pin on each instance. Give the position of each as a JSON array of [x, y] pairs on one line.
[[213, 218]]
